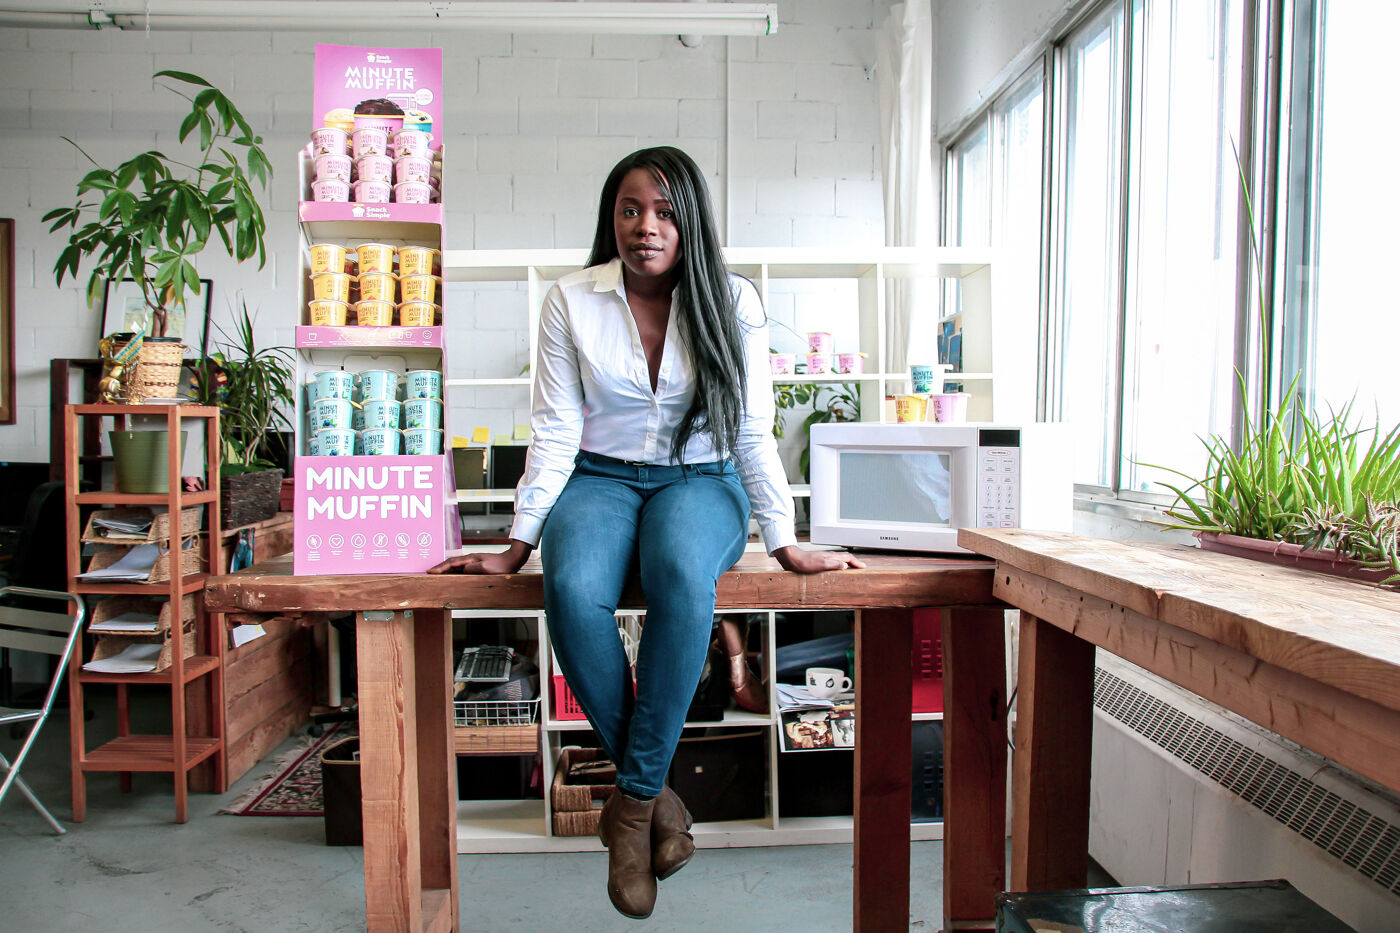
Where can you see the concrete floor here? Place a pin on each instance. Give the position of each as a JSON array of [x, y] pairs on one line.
[[128, 867]]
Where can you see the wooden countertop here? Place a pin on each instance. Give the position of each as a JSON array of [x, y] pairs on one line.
[[755, 582], [1337, 631]]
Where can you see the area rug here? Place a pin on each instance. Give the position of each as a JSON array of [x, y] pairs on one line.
[[292, 785]]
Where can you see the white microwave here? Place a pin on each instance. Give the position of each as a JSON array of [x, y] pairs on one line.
[[910, 487]]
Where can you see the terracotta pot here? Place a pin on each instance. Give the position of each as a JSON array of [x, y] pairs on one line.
[[1288, 555]]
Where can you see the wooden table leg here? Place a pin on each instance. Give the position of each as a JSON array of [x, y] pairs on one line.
[[389, 780], [437, 768], [1054, 732], [974, 766], [884, 697]]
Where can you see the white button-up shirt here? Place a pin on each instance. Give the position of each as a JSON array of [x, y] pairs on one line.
[[593, 392]]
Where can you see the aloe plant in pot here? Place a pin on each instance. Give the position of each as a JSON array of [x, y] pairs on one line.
[[1321, 493], [252, 388]]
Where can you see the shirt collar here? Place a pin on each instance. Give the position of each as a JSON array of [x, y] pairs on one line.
[[610, 278]]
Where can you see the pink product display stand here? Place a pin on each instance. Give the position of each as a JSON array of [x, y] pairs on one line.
[[361, 514], [312, 336]]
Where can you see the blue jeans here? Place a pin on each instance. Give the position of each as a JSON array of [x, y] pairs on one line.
[[682, 527]]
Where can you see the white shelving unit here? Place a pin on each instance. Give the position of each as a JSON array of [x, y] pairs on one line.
[[526, 825], [1008, 362]]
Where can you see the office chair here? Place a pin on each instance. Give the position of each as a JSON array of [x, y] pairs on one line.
[[39, 560], [49, 633]]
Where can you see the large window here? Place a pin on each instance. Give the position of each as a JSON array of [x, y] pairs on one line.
[[1343, 317], [1088, 242]]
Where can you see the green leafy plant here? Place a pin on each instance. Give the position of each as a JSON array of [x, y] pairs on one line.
[[1300, 479], [252, 389], [829, 401], [154, 214]]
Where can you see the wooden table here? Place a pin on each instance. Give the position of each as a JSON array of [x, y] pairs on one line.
[[1311, 657], [408, 771]]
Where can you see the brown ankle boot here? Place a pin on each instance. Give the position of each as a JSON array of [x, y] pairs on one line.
[[672, 845], [625, 828]]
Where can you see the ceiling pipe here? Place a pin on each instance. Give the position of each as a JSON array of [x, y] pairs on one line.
[[645, 18]]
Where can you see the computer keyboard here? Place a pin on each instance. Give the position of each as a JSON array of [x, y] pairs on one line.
[[485, 663]]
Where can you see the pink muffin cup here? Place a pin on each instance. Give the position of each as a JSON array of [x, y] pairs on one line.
[[375, 168], [328, 139], [371, 192], [333, 165], [411, 142], [412, 168], [370, 141], [413, 192], [330, 189]]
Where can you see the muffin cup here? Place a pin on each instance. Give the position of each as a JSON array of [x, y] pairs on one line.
[[413, 192], [327, 312], [369, 140], [418, 287], [333, 165], [334, 383], [374, 313], [421, 413], [375, 257], [379, 383], [327, 257], [418, 260], [423, 383], [378, 286], [418, 314], [330, 190], [328, 139], [420, 441], [381, 442], [371, 192], [412, 168], [375, 168], [411, 142], [330, 413], [383, 413], [331, 286], [335, 442]]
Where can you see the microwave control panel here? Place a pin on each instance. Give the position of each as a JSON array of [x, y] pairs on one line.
[[999, 487]]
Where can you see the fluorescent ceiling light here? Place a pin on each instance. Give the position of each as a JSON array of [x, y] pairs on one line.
[[637, 18]]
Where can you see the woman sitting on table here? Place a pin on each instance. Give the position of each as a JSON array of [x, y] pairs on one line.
[[651, 439]]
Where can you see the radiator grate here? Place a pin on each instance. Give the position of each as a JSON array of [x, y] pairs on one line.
[[1352, 834]]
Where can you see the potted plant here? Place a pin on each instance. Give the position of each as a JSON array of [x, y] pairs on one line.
[[252, 389], [149, 218], [1319, 493]]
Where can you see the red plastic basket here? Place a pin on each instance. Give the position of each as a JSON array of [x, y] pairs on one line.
[[565, 704]]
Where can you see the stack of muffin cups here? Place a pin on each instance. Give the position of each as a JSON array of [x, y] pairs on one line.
[[363, 279], [361, 413], [398, 167]]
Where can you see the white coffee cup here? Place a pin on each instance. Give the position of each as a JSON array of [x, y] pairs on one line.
[[826, 682]]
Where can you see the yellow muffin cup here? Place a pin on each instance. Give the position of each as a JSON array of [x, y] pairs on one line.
[[418, 314], [327, 257], [331, 286], [374, 313], [328, 313], [375, 257], [418, 287], [377, 286]]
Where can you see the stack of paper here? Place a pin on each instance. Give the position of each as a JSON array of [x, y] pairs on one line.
[[122, 527], [128, 623], [797, 696], [135, 566], [136, 658]]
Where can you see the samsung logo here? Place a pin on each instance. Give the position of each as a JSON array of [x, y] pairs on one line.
[[889, 537]]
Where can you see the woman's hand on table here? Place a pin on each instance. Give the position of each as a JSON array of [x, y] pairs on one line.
[[797, 559], [507, 561]]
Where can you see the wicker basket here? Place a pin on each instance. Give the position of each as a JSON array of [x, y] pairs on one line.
[[191, 561], [112, 606], [158, 369], [108, 646], [157, 533], [249, 497], [577, 807]]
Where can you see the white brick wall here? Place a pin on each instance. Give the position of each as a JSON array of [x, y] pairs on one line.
[[785, 127]]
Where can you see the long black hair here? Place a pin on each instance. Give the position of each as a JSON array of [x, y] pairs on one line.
[[707, 304]]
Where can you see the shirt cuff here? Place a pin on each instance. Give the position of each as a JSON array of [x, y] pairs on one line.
[[775, 537], [527, 528]]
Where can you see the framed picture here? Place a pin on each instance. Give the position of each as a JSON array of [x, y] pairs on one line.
[[124, 309], [7, 322]]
